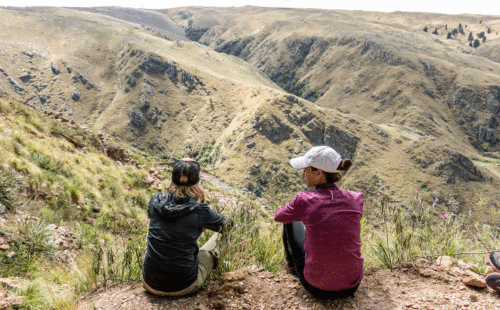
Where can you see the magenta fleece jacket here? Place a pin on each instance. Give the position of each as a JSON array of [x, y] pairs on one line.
[[333, 244]]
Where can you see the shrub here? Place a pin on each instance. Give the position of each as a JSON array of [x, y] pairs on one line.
[[425, 28], [471, 36], [448, 36], [38, 239], [10, 183], [476, 43], [435, 31]]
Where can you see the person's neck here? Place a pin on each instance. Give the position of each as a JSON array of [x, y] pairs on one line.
[[326, 186]]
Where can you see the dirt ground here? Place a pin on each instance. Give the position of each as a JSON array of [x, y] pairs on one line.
[[410, 286]]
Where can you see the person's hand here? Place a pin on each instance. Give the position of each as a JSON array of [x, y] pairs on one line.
[[203, 230]]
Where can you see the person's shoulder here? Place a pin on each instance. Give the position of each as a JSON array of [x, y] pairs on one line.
[[352, 194]]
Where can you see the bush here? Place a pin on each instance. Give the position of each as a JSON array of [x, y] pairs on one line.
[[425, 28], [476, 43], [435, 31]]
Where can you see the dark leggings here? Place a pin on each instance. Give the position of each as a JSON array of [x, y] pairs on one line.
[[293, 240]]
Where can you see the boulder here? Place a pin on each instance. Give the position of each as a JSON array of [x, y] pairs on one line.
[[11, 302], [43, 99], [10, 284], [444, 261], [18, 88], [474, 280], [76, 94], [25, 78], [83, 79], [56, 71], [149, 180]]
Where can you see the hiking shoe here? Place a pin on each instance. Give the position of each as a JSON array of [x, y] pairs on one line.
[[495, 261], [493, 281]]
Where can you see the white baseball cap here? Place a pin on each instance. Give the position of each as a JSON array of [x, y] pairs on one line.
[[320, 157]]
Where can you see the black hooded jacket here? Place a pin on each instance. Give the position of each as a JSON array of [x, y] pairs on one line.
[[171, 261]]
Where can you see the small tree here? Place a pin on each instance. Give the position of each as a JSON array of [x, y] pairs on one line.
[[476, 43], [480, 22], [471, 37], [448, 36], [435, 31], [480, 35], [470, 43], [489, 30], [460, 29], [446, 26], [484, 38], [425, 28]]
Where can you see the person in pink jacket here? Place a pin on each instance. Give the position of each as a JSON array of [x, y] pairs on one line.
[[321, 232]]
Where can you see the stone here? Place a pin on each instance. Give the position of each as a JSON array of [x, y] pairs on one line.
[[151, 170], [43, 99], [473, 298], [149, 180], [444, 261], [56, 71], [160, 177], [18, 88], [25, 78], [474, 280], [251, 144], [157, 186], [10, 284], [4, 247], [76, 94], [11, 302]]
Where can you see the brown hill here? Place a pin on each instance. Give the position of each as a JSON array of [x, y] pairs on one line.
[[405, 103]]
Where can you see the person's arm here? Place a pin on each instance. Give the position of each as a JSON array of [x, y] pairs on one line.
[[215, 221], [292, 212]]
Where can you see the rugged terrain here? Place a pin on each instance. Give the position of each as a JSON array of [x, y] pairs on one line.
[[411, 286], [246, 89]]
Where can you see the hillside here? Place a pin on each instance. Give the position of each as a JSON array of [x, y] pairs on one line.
[[73, 223], [413, 110]]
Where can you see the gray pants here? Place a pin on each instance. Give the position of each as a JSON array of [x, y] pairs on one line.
[[210, 250]]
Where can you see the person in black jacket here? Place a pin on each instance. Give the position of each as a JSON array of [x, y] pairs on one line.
[[173, 265]]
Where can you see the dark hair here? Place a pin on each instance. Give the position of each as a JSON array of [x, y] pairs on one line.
[[334, 177]]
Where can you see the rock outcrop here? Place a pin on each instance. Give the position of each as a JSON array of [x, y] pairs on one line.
[[137, 119]]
